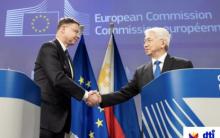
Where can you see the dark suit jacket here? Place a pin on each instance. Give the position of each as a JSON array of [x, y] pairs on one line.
[[53, 75], [142, 76]]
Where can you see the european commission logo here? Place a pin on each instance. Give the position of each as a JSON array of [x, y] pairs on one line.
[[31, 21], [201, 132], [39, 21]]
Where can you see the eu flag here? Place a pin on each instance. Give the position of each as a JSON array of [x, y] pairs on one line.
[[40, 23], [87, 122]]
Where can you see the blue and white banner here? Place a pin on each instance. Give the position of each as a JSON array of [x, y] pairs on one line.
[[181, 98]]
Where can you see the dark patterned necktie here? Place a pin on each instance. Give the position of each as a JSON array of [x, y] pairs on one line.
[[69, 62], [67, 54]]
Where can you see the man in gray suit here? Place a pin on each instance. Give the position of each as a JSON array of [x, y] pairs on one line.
[[54, 74], [156, 44]]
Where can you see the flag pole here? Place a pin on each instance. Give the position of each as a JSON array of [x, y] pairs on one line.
[[81, 27], [111, 25]]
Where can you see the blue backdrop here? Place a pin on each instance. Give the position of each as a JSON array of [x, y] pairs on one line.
[[195, 27]]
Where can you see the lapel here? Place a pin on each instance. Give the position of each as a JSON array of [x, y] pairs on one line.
[[63, 59], [146, 75], [150, 71], [167, 63]]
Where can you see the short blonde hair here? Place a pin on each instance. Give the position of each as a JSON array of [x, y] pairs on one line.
[[161, 33]]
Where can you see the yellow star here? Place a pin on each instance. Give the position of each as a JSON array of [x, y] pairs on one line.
[[100, 109], [91, 134], [81, 80], [99, 123], [88, 84]]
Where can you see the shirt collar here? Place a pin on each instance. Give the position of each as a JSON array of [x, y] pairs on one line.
[[161, 59], [62, 45]]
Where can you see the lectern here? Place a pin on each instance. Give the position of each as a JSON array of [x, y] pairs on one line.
[[19, 106], [178, 99]]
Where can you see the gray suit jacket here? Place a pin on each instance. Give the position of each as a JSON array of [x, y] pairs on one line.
[[143, 75], [53, 75]]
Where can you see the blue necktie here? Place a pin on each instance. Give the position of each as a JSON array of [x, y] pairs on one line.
[[157, 70]]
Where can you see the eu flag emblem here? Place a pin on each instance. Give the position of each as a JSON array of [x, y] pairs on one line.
[[40, 23]]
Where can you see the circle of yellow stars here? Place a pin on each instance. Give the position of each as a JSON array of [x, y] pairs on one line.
[[36, 18]]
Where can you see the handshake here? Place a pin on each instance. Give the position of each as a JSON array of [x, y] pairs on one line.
[[94, 98]]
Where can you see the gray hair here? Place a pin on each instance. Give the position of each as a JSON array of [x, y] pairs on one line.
[[161, 33]]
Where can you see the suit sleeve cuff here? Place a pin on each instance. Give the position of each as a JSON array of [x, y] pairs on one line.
[[85, 96]]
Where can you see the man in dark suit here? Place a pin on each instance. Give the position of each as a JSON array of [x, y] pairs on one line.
[[156, 44], [54, 74]]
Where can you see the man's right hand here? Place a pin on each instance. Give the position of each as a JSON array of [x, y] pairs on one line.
[[94, 98]]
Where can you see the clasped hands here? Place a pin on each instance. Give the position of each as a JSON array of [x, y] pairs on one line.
[[94, 98]]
